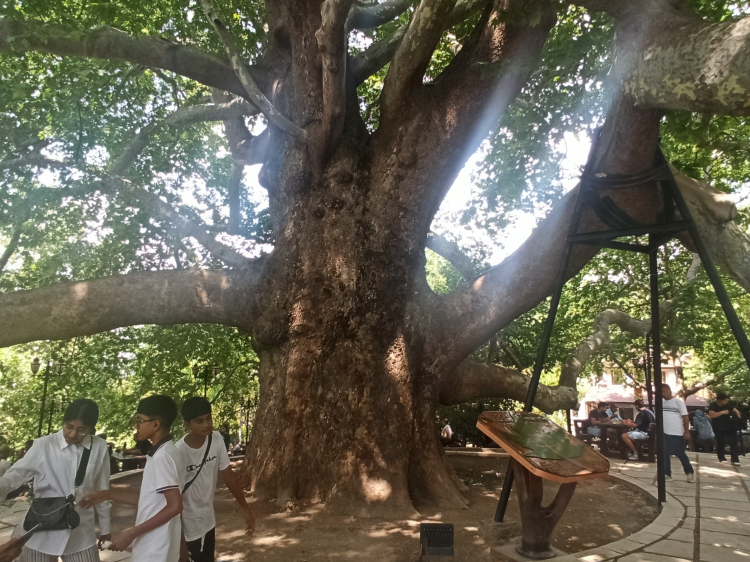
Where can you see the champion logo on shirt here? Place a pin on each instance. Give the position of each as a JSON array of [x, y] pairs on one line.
[[192, 467]]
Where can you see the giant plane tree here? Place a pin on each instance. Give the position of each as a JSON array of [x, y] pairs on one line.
[[135, 123]]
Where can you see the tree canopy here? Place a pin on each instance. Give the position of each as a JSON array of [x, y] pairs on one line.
[[260, 181]]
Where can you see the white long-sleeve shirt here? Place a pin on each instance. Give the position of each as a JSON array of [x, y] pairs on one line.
[[53, 464]]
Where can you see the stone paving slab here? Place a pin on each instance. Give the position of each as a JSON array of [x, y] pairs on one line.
[[706, 524]]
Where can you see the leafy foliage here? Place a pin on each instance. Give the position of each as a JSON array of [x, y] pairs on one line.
[[119, 368]]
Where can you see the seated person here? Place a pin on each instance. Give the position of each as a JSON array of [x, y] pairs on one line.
[[613, 412], [643, 420], [597, 416], [446, 434], [141, 449]]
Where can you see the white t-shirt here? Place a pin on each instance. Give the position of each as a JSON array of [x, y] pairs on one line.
[[161, 474], [673, 410], [447, 432], [198, 502]]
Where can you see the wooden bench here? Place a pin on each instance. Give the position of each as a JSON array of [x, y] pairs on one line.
[[538, 522]]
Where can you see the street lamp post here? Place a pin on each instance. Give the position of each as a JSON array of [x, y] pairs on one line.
[[205, 375], [58, 368]]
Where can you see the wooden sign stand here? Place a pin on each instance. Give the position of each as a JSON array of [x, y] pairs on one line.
[[538, 522]]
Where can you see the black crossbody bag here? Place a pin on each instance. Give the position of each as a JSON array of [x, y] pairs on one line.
[[54, 514], [203, 463]]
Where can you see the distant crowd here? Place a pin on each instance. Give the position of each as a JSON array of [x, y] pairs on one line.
[[718, 426]]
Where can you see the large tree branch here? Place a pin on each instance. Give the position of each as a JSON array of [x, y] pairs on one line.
[[333, 44], [376, 56], [83, 308], [15, 238], [252, 90], [667, 57], [413, 55], [108, 43], [472, 380], [451, 252], [713, 213], [370, 17], [380, 53], [185, 115], [599, 339], [713, 381], [695, 67], [185, 226]]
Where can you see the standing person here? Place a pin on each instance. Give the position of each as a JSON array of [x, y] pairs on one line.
[[205, 456], [4, 462], [720, 413], [52, 462], [643, 420], [676, 431], [225, 436], [446, 435], [157, 531]]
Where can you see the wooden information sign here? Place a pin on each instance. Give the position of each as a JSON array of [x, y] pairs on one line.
[[540, 449]]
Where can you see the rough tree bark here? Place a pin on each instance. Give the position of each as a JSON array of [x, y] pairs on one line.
[[356, 351]]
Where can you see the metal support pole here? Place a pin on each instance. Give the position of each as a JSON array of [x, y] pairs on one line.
[[44, 399], [649, 385], [656, 362], [540, 357]]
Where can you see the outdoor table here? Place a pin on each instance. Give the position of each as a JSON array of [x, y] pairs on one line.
[[129, 462], [619, 428], [539, 449]]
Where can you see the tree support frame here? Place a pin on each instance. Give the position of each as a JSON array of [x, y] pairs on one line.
[[590, 195]]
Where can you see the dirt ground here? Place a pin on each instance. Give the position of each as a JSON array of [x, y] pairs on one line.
[[600, 512]]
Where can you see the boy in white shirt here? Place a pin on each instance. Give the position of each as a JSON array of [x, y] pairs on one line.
[[676, 432], [156, 535], [201, 468]]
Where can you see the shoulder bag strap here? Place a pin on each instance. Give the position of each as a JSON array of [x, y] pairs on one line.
[[81, 473], [203, 462]]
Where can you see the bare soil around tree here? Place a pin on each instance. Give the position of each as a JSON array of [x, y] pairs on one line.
[[601, 511]]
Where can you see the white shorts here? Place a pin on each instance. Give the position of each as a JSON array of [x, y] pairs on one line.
[[91, 554], [637, 434]]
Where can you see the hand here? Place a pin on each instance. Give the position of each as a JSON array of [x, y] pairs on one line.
[[123, 540], [687, 435], [249, 522], [93, 499], [184, 552], [103, 539], [11, 549]]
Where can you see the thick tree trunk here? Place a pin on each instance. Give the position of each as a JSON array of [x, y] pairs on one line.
[[346, 411]]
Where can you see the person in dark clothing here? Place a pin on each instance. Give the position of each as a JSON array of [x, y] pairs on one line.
[[597, 417], [225, 436], [640, 427], [723, 414], [141, 448]]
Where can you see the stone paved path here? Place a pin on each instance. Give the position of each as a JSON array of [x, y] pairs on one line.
[[707, 521]]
